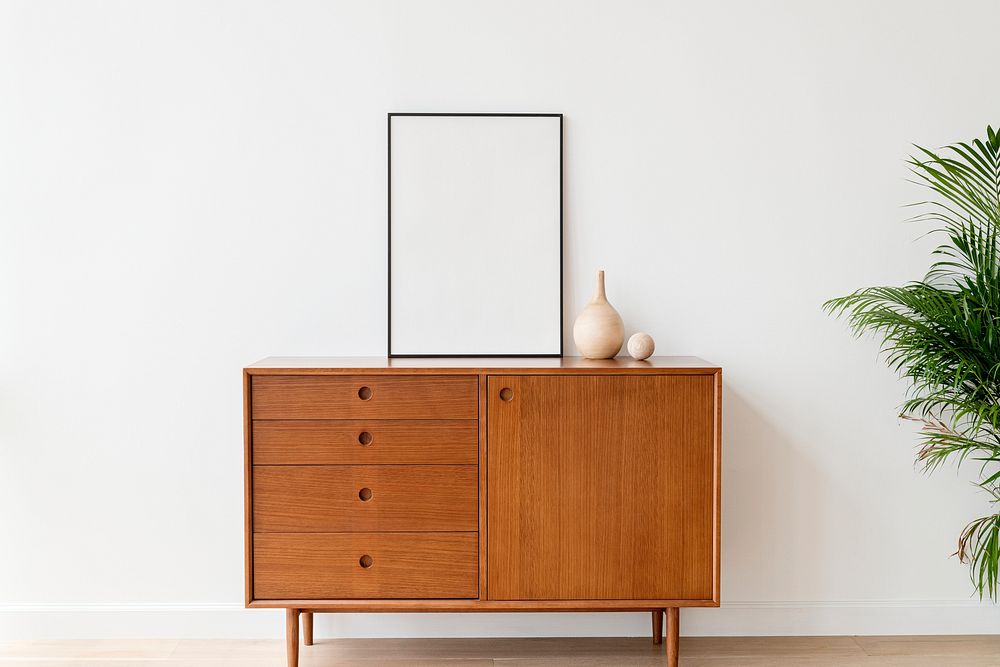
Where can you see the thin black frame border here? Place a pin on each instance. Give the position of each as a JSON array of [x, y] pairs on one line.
[[389, 118]]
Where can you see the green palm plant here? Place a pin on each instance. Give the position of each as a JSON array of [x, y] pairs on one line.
[[943, 333]]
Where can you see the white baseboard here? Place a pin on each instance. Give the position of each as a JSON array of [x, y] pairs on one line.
[[225, 620]]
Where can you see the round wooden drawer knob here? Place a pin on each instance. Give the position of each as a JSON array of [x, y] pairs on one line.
[[506, 394], [366, 561], [365, 393], [365, 494], [365, 438]]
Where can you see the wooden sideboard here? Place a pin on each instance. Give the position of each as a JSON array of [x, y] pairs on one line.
[[466, 485]]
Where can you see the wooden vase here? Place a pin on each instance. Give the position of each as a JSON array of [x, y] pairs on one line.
[[599, 330]]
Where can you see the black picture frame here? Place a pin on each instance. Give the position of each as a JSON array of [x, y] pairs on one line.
[[390, 353]]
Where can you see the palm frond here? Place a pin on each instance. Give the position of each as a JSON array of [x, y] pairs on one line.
[[979, 546], [942, 333]]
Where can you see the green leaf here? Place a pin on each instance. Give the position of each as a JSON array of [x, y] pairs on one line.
[[942, 334]]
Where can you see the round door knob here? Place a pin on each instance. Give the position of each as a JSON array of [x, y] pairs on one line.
[[365, 494], [366, 561], [365, 438], [506, 394], [365, 393]]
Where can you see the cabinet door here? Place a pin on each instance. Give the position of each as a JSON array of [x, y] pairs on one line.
[[601, 487]]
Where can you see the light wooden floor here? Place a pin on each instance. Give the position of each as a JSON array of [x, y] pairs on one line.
[[973, 651]]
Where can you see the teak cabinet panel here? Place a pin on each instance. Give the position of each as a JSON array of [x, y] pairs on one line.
[[365, 441], [366, 498], [601, 487], [402, 565], [360, 396]]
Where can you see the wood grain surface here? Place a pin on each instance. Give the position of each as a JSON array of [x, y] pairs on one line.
[[312, 442], [483, 527], [659, 365], [328, 565], [673, 636], [329, 498], [601, 487], [473, 605], [364, 397], [247, 494], [307, 627], [901, 651], [292, 637]]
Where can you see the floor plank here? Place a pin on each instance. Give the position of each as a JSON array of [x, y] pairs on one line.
[[771, 647], [966, 651], [968, 645], [83, 649]]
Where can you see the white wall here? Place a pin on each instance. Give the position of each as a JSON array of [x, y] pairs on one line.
[[186, 187]]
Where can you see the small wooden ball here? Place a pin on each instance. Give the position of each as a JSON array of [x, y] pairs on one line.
[[641, 345]]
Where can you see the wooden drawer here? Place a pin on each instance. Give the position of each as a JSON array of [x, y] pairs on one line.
[[372, 441], [332, 498], [364, 397], [401, 565]]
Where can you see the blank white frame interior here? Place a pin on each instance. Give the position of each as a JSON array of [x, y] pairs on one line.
[[475, 235]]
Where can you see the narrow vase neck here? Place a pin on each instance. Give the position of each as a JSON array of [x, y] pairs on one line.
[[599, 294]]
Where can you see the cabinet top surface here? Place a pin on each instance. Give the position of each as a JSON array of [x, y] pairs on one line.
[[618, 365]]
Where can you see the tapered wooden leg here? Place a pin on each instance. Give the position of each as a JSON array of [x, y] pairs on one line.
[[657, 626], [673, 635], [292, 636], [307, 628]]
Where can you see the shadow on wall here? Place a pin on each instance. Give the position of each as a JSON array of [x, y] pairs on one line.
[[773, 513]]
